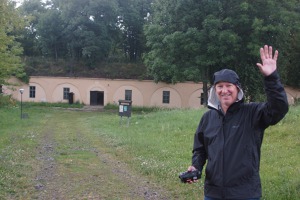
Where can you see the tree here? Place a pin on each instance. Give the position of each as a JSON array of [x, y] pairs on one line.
[[31, 10], [10, 50], [71, 29], [189, 39], [289, 41], [182, 39], [50, 29], [90, 27], [132, 17]]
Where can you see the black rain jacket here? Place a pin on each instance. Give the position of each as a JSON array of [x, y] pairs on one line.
[[231, 143]]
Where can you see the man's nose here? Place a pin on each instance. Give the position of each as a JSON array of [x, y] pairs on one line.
[[224, 90]]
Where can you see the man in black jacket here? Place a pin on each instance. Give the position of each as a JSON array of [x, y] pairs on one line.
[[230, 134]]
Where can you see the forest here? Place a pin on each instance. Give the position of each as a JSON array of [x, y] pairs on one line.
[[169, 41]]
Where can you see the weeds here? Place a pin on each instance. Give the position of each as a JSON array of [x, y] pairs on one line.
[[51, 105], [7, 101]]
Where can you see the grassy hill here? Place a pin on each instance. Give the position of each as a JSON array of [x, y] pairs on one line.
[[38, 66]]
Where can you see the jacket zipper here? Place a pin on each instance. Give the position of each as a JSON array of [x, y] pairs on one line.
[[223, 161]]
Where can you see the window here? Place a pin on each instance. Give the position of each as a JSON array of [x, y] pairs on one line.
[[31, 91], [166, 97], [66, 93], [128, 95]]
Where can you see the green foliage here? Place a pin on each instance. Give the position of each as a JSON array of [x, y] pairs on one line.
[[133, 14], [225, 34], [163, 63], [49, 105], [88, 31], [292, 73], [50, 29], [200, 40], [40, 66], [10, 49], [6, 101]]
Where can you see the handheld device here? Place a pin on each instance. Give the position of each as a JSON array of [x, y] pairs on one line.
[[190, 175]]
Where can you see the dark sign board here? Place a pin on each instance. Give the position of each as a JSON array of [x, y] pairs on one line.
[[125, 108]]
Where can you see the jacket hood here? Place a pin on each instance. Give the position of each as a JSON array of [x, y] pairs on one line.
[[225, 75]]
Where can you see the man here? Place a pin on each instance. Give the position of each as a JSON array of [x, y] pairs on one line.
[[230, 134]]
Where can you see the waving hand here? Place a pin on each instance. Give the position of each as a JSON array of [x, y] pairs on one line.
[[269, 62]]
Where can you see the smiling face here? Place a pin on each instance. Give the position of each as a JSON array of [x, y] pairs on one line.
[[227, 94]]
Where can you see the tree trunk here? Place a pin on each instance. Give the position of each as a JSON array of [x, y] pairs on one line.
[[205, 94]]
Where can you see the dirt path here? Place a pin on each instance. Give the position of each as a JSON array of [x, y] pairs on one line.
[[76, 165]]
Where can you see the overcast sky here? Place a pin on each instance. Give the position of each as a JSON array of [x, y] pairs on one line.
[[18, 2]]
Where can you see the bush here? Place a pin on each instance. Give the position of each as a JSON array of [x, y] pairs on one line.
[[60, 105], [297, 101], [7, 100]]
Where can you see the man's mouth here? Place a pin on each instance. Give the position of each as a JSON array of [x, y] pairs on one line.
[[225, 95]]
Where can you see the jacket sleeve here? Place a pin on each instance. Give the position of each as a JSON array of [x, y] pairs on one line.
[[199, 152], [277, 105]]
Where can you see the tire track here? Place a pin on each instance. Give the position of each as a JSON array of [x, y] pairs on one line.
[[104, 177]]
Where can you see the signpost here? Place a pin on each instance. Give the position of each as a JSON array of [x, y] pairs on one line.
[[125, 110]]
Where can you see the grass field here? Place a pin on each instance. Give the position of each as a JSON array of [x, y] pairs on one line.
[[156, 145]]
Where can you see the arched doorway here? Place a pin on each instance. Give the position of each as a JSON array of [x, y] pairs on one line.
[[96, 98]]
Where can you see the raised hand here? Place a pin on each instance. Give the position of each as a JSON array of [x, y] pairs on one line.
[[269, 63]]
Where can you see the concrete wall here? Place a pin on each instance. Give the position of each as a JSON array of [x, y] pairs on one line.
[[292, 94], [144, 93]]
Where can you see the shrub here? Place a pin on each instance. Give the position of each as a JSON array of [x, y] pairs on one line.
[[7, 100]]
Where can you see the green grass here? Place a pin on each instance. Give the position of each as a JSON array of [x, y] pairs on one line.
[[156, 144], [18, 140], [136, 109], [280, 164], [161, 143]]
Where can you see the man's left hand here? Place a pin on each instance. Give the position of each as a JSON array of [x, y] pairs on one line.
[[269, 63]]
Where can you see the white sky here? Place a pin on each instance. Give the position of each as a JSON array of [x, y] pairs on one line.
[[19, 2]]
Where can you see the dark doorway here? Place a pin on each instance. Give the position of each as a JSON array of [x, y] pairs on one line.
[[96, 98]]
